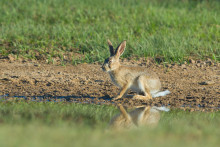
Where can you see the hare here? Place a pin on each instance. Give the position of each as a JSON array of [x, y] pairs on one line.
[[142, 116], [146, 83]]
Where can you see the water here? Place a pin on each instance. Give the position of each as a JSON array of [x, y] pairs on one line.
[[54, 98], [85, 100]]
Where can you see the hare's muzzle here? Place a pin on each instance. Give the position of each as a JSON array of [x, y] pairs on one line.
[[105, 67]]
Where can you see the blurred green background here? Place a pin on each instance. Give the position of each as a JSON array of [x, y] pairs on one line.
[[76, 31]]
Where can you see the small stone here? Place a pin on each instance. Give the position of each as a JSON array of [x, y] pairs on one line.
[[183, 66], [99, 81], [202, 65], [32, 82], [11, 58], [168, 65], [24, 60], [208, 63], [209, 59], [192, 61], [207, 83]]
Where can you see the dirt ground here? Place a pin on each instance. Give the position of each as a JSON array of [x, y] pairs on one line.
[[193, 86]]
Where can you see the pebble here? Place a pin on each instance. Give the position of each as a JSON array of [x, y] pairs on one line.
[[207, 83], [192, 61], [11, 58], [183, 66]]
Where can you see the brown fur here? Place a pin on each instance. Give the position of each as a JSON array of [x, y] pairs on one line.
[[136, 78]]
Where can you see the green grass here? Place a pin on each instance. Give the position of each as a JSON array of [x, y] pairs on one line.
[[173, 29], [68, 124]]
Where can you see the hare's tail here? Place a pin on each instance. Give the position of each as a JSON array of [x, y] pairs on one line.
[[160, 93], [161, 108]]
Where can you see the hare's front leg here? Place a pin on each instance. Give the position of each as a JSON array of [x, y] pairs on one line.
[[122, 92]]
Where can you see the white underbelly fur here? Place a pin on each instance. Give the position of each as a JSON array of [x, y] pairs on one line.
[[136, 88], [152, 84]]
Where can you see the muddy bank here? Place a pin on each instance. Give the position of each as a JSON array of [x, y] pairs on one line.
[[195, 84]]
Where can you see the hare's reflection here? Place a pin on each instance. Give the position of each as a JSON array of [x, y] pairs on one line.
[[142, 116]]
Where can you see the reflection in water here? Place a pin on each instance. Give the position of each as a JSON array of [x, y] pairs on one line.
[[46, 98], [142, 116], [101, 100]]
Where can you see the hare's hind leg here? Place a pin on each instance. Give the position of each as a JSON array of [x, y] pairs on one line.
[[141, 97], [143, 89]]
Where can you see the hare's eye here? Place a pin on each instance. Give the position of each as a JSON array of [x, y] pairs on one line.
[[110, 62]]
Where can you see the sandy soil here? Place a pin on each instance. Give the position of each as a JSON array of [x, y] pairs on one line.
[[195, 86]]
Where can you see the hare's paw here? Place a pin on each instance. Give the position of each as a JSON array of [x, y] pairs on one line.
[[140, 97]]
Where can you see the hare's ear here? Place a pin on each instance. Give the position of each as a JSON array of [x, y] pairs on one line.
[[120, 49], [123, 112], [111, 49]]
